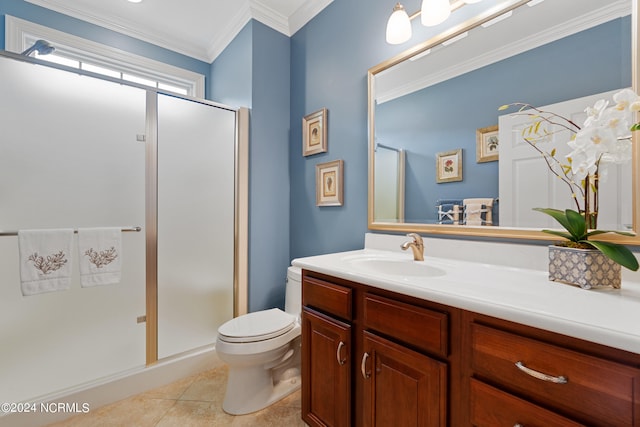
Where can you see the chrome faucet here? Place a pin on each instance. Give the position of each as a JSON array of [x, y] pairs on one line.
[[416, 245]]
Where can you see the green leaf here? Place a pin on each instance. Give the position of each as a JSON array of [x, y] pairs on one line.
[[553, 152], [560, 233], [577, 223], [573, 226], [596, 232], [618, 253], [504, 107], [635, 127]]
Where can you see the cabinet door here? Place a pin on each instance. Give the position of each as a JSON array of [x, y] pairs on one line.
[[326, 370], [401, 387]]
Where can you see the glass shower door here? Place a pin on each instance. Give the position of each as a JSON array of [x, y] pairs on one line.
[[196, 174]]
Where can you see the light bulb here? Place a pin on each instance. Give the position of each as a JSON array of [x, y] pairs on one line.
[[398, 26], [434, 12]]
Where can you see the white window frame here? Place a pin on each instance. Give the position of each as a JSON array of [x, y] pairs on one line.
[[21, 34]]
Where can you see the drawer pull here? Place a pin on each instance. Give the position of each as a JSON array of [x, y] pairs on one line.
[[341, 361], [363, 366], [540, 375], [518, 425]]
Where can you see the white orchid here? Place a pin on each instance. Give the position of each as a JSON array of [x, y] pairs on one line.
[[594, 113], [604, 138], [624, 99]]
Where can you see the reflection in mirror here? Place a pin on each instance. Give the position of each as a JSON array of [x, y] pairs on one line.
[[390, 164], [436, 101]]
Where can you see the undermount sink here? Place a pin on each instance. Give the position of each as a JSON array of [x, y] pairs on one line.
[[396, 267]]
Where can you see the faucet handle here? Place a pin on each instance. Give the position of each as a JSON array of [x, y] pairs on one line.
[[416, 238]]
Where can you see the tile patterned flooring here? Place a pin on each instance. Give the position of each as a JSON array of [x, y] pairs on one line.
[[191, 402]]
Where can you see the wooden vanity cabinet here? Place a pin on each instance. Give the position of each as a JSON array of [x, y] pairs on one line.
[[326, 353], [376, 358], [394, 352]]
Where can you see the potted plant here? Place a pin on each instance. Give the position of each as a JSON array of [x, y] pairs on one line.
[[585, 262], [603, 139]]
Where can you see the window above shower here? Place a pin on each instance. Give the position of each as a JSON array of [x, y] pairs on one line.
[[76, 52]]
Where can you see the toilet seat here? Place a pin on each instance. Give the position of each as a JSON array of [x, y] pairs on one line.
[[257, 326]]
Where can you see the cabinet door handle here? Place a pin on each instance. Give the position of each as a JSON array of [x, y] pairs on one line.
[[363, 366], [539, 375], [518, 425], [341, 361]]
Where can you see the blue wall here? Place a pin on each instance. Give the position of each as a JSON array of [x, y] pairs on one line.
[[445, 116]]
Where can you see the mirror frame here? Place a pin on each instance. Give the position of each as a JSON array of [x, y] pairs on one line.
[[497, 231]]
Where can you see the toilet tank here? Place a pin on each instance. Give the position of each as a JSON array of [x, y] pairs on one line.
[[293, 295]]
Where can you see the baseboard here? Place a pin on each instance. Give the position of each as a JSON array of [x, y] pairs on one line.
[[90, 396]]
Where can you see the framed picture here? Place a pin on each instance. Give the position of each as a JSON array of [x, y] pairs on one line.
[[449, 166], [329, 183], [314, 133], [487, 144]]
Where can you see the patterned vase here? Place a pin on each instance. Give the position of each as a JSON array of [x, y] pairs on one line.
[[588, 268]]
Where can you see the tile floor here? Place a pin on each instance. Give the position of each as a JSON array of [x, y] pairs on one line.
[[191, 402]]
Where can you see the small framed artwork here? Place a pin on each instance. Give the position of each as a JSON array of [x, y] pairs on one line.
[[329, 183], [449, 166], [314, 133], [487, 144]]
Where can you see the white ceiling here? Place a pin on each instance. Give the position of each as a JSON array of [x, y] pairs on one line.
[[197, 28]]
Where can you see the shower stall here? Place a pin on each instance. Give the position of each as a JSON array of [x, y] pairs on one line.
[[78, 150]]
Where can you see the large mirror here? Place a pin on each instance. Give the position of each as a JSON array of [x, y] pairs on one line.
[[438, 104]]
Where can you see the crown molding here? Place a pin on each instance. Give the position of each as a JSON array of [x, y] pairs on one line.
[[306, 13], [208, 50], [619, 9], [270, 17], [128, 28], [218, 43]]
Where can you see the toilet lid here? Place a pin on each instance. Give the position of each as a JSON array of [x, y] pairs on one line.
[[257, 326]]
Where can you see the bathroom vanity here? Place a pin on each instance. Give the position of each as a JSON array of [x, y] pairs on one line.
[[391, 341]]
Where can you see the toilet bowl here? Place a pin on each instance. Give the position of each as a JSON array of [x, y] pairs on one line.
[[262, 351]]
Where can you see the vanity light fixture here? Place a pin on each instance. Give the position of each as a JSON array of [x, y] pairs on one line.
[[134, 1], [432, 12], [398, 26]]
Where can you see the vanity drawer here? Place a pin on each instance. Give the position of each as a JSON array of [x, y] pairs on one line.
[[587, 388], [420, 327], [327, 297], [490, 407]]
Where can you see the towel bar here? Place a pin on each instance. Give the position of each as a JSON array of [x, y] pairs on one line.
[[124, 229]]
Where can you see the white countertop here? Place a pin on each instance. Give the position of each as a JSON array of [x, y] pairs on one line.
[[606, 316]]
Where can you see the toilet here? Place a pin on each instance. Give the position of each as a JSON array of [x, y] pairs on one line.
[[262, 350]]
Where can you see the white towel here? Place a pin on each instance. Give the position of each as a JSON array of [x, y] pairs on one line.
[[488, 202], [100, 253], [45, 260]]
